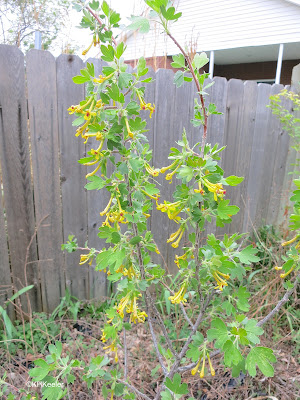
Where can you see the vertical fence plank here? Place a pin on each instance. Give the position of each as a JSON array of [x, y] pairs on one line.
[[257, 154], [163, 140], [5, 276], [96, 202], [233, 128], [15, 166], [243, 155], [281, 178], [272, 136], [42, 104], [178, 120], [74, 203], [217, 125]]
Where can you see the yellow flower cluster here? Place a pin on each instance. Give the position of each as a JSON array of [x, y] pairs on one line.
[[95, 41], [183, 257], [114, 213], [146, 106], [111, 348], [84, 258], [129, 304], [176, 164], [176, 235], [130, 272], [215, 188], [151, 171], [172, 209], [201, 373], [179, 296], [220, 279], [102, 78]]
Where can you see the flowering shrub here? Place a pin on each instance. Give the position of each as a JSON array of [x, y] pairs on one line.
[[210, 275]]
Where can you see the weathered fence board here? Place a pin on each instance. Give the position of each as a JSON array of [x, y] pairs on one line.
[[15, 167], [257, 153], [96, 202], [74, 202], [257, 148], [42, 105]]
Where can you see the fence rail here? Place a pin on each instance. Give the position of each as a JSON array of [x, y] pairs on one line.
[[42, 196]]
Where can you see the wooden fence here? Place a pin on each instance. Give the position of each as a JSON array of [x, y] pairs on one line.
[[42, 196]]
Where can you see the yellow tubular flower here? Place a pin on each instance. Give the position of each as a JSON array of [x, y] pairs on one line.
[[277, 268], [172, 209], [84, 258], [290, 241], [177, 258], [287, 273], [164, 169], [220, 282], [101, 78], [170, 175], [89, 113], [107, 207], [146, 106], [88, 49], [200, 190], [215, 188], [154, 197], [130, 134], [178, 234], [151, 171], [112, 348], [95, 170], [122, 305], [179, 296], [202, 369], [195, 370], [212, 371]]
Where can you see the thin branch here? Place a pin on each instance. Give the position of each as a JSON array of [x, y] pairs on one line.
[[144, 396], [279, 304], [125, 354], [101, 24], [198, 89], [162, 325]]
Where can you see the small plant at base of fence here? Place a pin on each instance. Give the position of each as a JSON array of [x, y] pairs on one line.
[[111, 117]]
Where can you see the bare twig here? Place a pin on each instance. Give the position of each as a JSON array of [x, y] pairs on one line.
[[186, 56], [279, 304], [101, 24], [144, 396], [125, 354]]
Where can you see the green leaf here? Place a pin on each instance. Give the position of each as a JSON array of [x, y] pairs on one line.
[[242, 299], [105, 8], [232, 356], [124, 79], [234, 180], [120, 49], [179, 78], [219, 331], [261, 357], [135, 240], [178, 61], [175, 386], [200, 60], [225, 211], [169, 13], [108, 53], [141, 67], [253, 331], [140, 23], [136, 164], [91, 69], [247, 255], [41, 371], [94, 5], [186, 172], [80, 79], [133, 108], [95, 184]]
